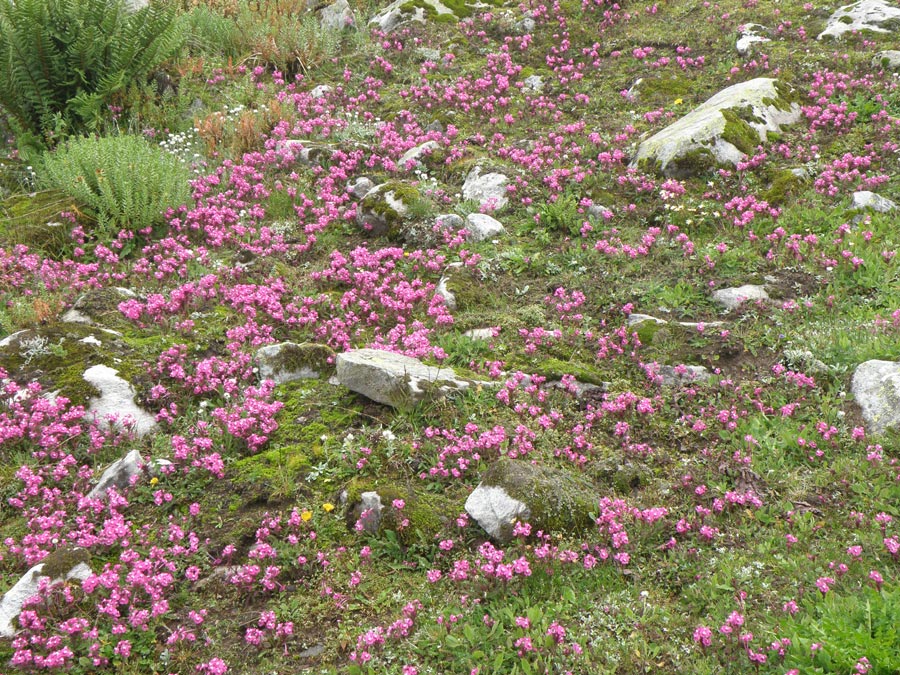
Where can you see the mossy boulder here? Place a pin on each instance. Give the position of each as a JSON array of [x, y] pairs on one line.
[[58, 354], [383, 209], [876, 16], [721, 131], [100, 306], [460, 288], [549, 499], [289, 361], [372, 503]]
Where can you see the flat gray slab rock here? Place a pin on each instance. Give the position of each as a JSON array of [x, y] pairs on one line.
[[732, 298], [865, 199], [394, 379], [75, 567], [878, 16], [876, 389], [721, 131], [117, 398], [752, 34]]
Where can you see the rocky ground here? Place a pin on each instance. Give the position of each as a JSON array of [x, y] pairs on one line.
[[501, 338]]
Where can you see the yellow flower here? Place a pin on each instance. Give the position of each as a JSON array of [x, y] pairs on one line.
[[328, 506], [154, 480], [306, 516], [678, 101]]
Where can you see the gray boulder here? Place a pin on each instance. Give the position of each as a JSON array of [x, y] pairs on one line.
[[732, 298], [360, 187], [289, 361], [118, 474], [336, 16], [401, 12], [482, 227], [682, 375], [384, 207], [722, 131], [449, 221], [488, 189], [878, 16], [876, 389], [394, 379], [864, 200], [321, 91], [549, 499], [59, 566]]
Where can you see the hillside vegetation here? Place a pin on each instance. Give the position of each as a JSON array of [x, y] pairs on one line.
[[628, 402]]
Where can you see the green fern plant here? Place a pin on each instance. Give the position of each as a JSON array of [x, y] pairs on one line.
[[120, 181], [63, 61]]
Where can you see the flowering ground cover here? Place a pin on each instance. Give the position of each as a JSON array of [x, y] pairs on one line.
[[741, 515]]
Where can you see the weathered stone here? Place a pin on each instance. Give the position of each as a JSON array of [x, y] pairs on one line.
[[118, 474], [321, 91], [533, 83], [525, 25], [681, 375], [864, 200], [360, 187], [876, 389], [488, 189], [59, 566], [394, 379], [442, 289], [878, 16], [732, 298], [721, 131], [117, 398], [383, 208], [752, 34], [289, 361], [551, 500], [368, 512], [482, 227], [598, 212], [449, 221], [336, 16], [414, 156], [309, 153], [401, 12], [889, 60], [482, 333], [635, 319]]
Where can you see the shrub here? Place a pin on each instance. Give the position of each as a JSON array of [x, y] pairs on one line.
[[63, 61], [122, 181]]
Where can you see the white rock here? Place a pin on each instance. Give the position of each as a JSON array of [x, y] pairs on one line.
[[889, 60], [526, 25], [876, 389], [869, 200], [74, 316], [878, 16], [116, 398], [480, 334], [487, 189], [634, 319], [598, 211], [394, 15], [336, 16], [534, 83], [492, 508], [442, 288], [731, 298], [414, 155], [702, 130], [12, 337], [395, 379], [360, 187], [752, 34], [482, 227], [13, 600], [118, 474], [91, 340], [321, 91]]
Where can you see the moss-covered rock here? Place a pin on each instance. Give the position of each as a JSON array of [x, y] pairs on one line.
[[290, 361], [58, 354], [551, 500], [426, 513], [382, 210]]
